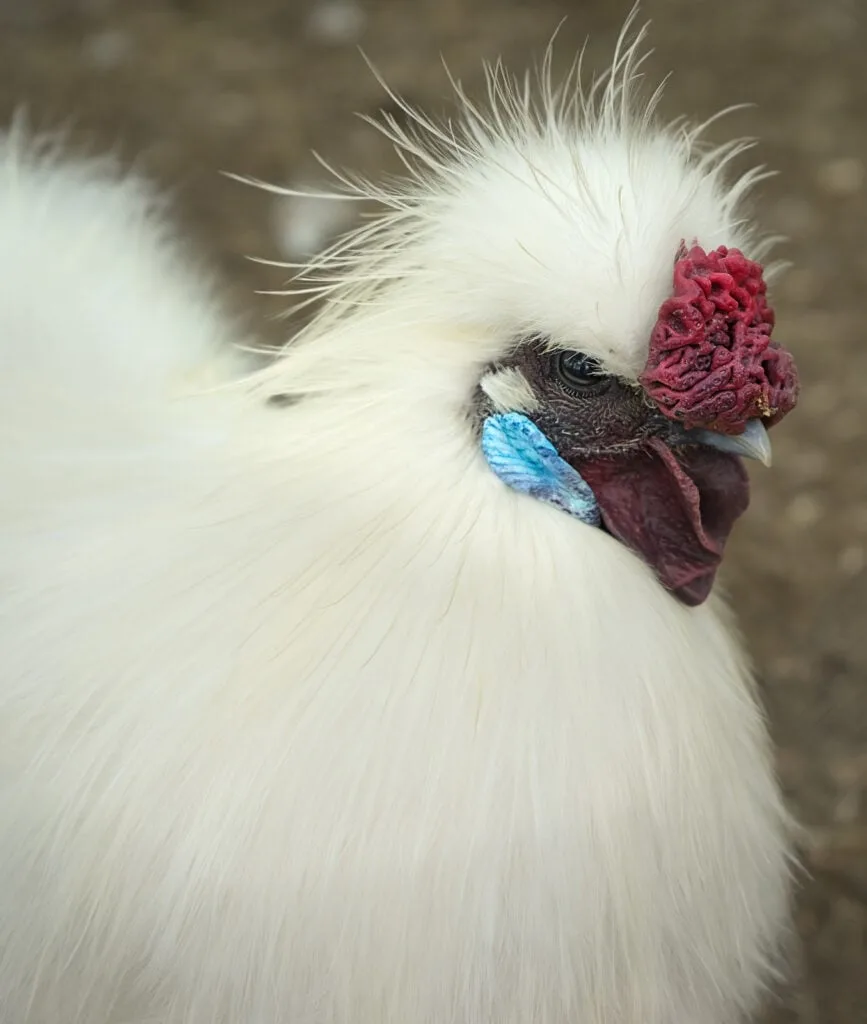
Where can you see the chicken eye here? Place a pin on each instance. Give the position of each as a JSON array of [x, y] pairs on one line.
[[580, 373]]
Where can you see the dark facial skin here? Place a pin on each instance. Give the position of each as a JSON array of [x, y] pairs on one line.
[[598, 416], [670, 500]]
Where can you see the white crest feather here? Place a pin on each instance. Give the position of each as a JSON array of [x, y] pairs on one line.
[[597, 162]]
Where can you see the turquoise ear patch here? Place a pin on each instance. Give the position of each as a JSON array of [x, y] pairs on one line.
[[524, 459]]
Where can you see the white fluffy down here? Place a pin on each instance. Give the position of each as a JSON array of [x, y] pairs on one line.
[[304, 717]]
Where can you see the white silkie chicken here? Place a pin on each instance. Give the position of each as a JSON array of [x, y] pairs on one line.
[[395, 699]]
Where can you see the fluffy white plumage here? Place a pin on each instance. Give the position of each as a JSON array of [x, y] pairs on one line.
[[307, 719]]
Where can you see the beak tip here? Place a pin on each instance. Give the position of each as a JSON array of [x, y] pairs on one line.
[[753, 443], [755, 437]]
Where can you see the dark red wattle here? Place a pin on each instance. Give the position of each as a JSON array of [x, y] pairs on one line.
[[711, 362], [675, 512]]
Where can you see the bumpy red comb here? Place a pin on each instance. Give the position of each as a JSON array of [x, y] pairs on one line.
[[712, 363]]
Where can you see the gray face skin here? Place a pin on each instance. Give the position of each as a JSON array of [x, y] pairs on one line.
[[584, 412]]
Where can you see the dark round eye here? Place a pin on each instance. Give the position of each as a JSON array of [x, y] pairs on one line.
[[580, 372]]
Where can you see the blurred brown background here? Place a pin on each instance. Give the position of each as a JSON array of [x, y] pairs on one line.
[[186, 88]]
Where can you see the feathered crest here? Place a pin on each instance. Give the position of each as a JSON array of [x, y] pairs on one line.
[[355, 269]]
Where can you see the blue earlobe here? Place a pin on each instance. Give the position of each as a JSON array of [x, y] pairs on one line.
[[524, 459]]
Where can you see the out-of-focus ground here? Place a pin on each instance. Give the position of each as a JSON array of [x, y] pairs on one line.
[[186, 88]]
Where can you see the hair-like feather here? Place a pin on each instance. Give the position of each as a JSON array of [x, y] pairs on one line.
[[588, 156]]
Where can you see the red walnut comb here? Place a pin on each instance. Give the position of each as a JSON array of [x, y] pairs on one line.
[[712, 363]]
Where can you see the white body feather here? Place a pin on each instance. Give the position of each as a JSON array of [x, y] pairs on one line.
[[304, 717]]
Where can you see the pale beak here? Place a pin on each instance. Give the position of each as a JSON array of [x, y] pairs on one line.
[[753, 443]]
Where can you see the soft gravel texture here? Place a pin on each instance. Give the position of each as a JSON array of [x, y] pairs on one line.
[[185, 89]]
